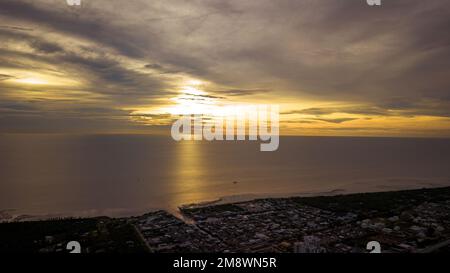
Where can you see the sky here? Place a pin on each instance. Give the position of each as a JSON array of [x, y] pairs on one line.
[[335, 68]]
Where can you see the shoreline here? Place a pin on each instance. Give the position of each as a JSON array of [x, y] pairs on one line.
[[6, 215], [402, 221]]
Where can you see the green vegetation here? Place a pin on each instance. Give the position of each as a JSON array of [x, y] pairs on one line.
[[379, 203], [96, 235], [31, 236]]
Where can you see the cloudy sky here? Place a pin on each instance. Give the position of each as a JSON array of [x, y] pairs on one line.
[[335, 67]]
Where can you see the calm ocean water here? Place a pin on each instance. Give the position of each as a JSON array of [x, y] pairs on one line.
[[130, 174]]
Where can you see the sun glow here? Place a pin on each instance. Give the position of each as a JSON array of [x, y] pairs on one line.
[[193, 100], [25, 77], [32, 81], [190, 90]]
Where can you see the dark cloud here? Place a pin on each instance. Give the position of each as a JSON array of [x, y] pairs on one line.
[[5, 77], [240, 92], [45, 47], [369, 110], [154, 66], [16, 106], [387, 61], [16, 28], [93, 27], [209, 97], [162, 69], [336, 120], [394, 107]]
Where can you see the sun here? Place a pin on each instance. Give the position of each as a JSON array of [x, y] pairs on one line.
[[192, 99]]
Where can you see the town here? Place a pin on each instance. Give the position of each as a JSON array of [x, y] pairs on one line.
[[413, 221]]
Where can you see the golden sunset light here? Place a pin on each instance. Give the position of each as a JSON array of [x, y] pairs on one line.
[[321, 90], [209, 129]]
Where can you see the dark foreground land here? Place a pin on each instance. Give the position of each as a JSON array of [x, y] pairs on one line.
[[402, 221]]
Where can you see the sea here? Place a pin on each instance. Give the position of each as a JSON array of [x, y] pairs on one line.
[[124, 175]]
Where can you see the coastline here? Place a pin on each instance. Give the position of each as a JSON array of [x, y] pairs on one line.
[[8, 215], [402, 221]]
